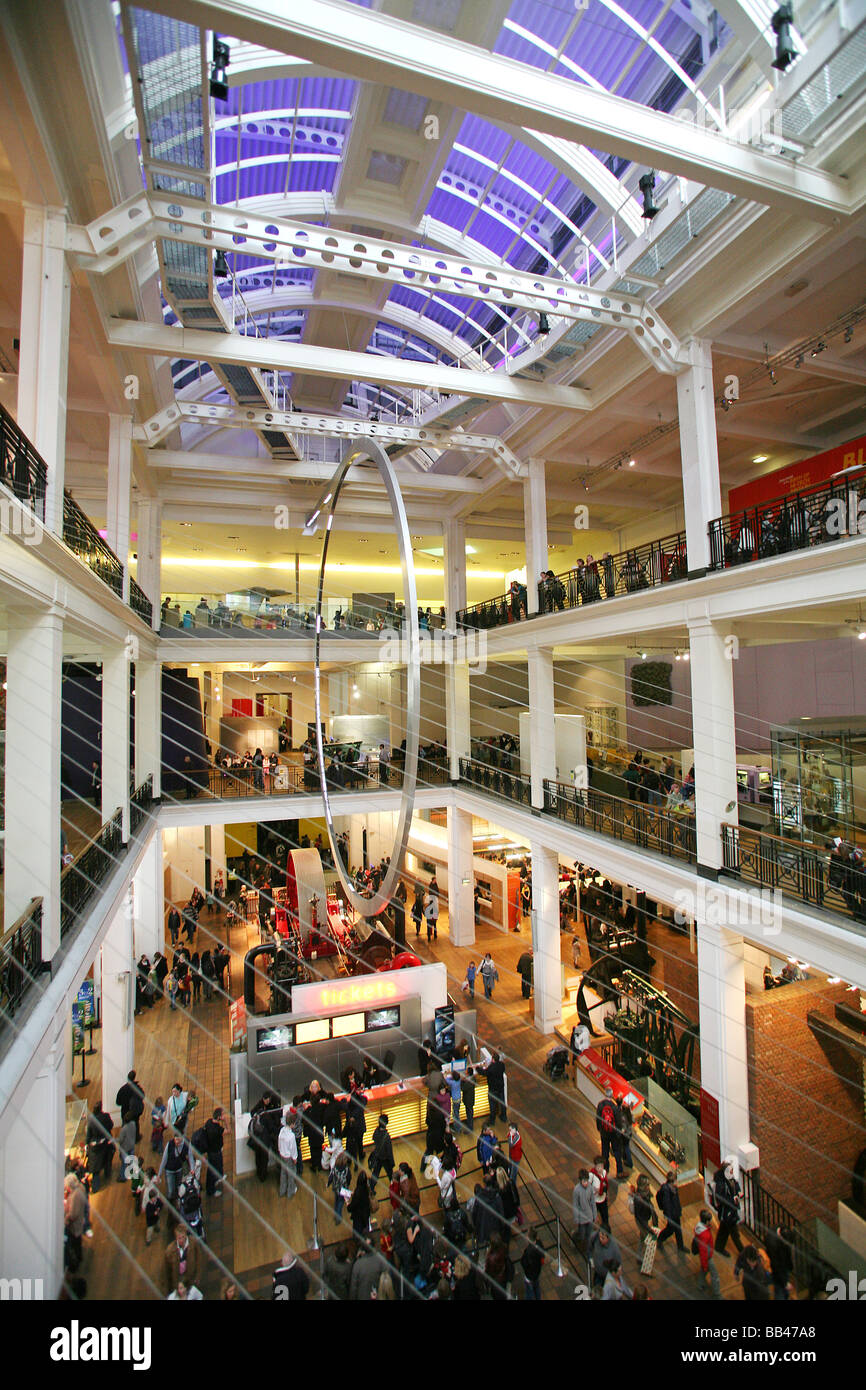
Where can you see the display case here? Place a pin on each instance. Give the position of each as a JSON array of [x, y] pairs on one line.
[[819, 779], [666, 1134]]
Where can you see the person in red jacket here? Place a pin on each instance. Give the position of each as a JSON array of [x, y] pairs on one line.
[[515, 1150], [703, 1246]]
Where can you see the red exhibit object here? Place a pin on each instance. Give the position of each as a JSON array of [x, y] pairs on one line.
[[603, 1075], [401, 962], [797, 477]]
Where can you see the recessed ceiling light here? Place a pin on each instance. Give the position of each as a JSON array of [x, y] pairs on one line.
[[631, 463], [362, 540], [186, 523], [760, 458], [232, 538]]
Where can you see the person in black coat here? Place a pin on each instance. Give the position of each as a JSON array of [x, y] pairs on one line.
[[130, 1099], [436, 1122], [356, 1126], [495, 1073], [669, 1204], [726, 1199], [315, 1112], [383, 1152], [100, 1150]]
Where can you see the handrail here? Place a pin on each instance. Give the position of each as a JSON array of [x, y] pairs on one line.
[[20, 958], [139, 602], [660, 561], [83, 539], [140, 803], [816, 515], [513, 786], [798, 869], [80, 879], [22, 470], [647, 826], [762, 1212]]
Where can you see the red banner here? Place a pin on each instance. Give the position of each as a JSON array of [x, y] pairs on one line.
[[710, 1141], [795, 477], [237, 1020]]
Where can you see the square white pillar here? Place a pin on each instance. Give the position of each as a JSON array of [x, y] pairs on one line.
[[118, 500], [148, 548], [44, 354], [147, 901], [118, 1002], [454, 548], [115, 733], [461, 900], [722, 1022], [712, 654], [32, 844], [535, 523], [699, 450], [546, 953], [31, 1179], [457, 714], [148, 721], [542, 731]]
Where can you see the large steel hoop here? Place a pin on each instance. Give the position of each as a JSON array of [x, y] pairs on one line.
[[355, 451]]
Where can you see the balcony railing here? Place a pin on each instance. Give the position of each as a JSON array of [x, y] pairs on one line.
[[223, 783], [803, 871], [763, 1213], [80, 879], [139, 602], [20, 959], [22, 471], [816, 516], [140, 804], [511, 786], [642, 567], [646, 826], [83, 539]]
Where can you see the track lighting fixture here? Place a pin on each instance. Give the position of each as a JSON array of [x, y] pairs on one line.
[[219, 87], [646, 183], [785, 50], [543, 325], [849, 333], [220, 266], [818, 348]]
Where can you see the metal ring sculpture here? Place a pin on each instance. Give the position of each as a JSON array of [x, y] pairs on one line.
[[355, 451]]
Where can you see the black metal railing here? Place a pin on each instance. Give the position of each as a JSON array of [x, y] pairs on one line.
[[208, 781], [80, 879], [83, 539], [20, 959], [140, 804], [646, 826], [815, 516], [804, 871], [139, 602], [22, 471], [512, 786], [642, 567], [762, 1213]]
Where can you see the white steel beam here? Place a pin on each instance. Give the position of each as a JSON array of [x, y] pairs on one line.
[[199, 345], [264, 468], [296, 422], [159, 215], [373, 47]]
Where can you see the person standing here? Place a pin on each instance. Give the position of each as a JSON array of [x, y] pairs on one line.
[[726, 1198], [703, 1247], [174, 924], [524, 970], [130, 1099], [515, 1150], [384, 759], [669, 1204], [624, 1125], [418, 908], [100, 1151], [583, 1211], [467, 1094], [496, 1085], [175, 1157], [382, 1155], [214, 1133], [489, 975], [598, 1178], [779, 1248], [642, 1211], [531, 1262], [360, 1206], [454, 1085], [177, 1108], [398, 914], [287, 1148], [471, 973], [431, 909], [605, 1123], [96, 784], [615, 1288]]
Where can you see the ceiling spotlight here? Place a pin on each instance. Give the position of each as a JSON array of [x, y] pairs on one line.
[[685, 656], [643, 656], [219, 87], [819, 347], [646, 183], [631, 463], [849, 333], [726, 404], [677, 657], [760, 458], [772, 374], [220, 266], [785, 50], [861, 634], [374, 417], [543, 325], [799, 360]]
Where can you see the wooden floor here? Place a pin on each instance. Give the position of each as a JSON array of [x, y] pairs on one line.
[[249, 1227]]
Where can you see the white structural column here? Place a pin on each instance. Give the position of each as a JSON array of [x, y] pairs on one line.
[[722, 1021], [699, 450], [457, 697], [542, 737], [147, 901], [118, 1001], [148, 721], [457, 714], [712, 656], [44, 354], [115, 733], [546, 956], [535, 522], [31, 1179], [148, 548], [461, 900], [454, 550], [119, 483], [32, 844]]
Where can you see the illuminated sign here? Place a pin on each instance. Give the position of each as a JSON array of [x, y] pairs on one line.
[[316, 1030], [332, 997], [345, 1024]]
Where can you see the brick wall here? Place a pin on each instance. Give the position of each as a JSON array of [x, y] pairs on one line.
[[805, 1097], [676, 972]]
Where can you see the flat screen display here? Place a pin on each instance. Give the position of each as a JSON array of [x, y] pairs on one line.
[[346, 1024], [382, 1018], [458, 1066], [272, 1039], [314, 1030], [443, 1031]]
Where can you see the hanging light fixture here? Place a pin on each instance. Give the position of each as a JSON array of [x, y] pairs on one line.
[[646, 183], [220, 266], [219, 87], [543, 325], [785, 50]]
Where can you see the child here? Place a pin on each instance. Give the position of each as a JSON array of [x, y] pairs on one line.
[[136, 1181], [152, 1203], [157, 1125]]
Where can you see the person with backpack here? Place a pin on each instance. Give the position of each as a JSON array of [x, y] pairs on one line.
[[703, 1246], [189, 1205], [669, 1204], [382, 1155], [606, 1124]]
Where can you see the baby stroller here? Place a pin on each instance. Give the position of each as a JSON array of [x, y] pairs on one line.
[[556, 1063]]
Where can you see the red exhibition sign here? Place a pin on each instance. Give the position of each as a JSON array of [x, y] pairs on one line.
[[710, 1141], [797, 477]]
